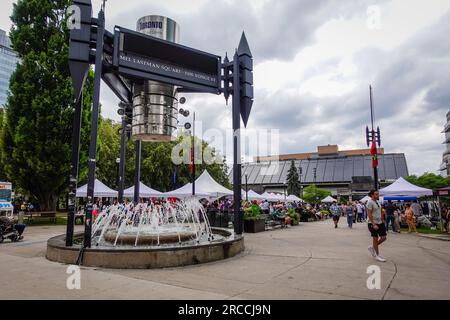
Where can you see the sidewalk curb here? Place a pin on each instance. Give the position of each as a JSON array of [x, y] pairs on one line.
[[433, 237]]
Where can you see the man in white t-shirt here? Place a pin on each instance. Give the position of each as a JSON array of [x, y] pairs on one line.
[[359, 212], [376, 225]]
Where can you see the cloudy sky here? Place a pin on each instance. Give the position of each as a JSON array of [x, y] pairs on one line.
[[314, 61]]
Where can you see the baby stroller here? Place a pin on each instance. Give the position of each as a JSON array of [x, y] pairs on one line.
[[9, 232]]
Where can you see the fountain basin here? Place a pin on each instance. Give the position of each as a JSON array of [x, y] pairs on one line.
[[141, 257], [147, 239]]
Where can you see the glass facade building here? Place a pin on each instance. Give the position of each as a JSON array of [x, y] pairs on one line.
[[8, 62]]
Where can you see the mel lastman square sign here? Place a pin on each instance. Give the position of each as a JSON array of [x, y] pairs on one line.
[[127, 61]]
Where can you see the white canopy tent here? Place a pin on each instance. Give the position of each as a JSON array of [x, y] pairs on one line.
[[365, 199], [401, 187], [280, 197], [252, 195], [185, 192], [294, 198], [270, 197], [205, 186], [100, 191], [329, 199], [144, 192]]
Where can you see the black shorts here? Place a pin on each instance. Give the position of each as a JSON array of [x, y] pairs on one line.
[[335, 218], [381, 232]]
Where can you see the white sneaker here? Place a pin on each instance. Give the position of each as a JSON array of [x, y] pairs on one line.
[[371, 251], [380, 258]]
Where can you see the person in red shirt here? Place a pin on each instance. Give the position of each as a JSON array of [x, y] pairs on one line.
[[95, 212]]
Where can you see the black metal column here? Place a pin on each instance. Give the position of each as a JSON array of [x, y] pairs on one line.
[[246, 187], [94, 128], [237, 178], [74, 165], [137, 171], [122, 160], [193, 155]]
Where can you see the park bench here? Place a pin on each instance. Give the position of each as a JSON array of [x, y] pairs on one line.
[[32, 216]]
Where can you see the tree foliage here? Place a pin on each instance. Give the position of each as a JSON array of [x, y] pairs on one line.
[[36, 134], [313, 194], [36, 130], [157, 167], [429, 180], [293, 183]]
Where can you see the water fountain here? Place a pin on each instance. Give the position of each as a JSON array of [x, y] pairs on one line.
[[150, 224], [150, 235]]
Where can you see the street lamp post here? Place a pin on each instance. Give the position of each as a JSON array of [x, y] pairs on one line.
[[246, 187], [373, 138], [118, 173], [300, 172]]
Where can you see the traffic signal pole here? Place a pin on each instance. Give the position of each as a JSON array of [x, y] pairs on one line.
[[237, 178], [94, 128], [122, 159], [72, 201]]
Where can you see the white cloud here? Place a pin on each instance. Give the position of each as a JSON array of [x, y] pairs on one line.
[[313, 64]]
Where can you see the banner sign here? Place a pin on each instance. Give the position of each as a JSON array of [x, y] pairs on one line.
[[165, 60]]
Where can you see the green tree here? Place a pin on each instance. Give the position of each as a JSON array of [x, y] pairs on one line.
[[293, 184], [36, 135], [312, 194], [157, 168], [429, 180], [108, 152]]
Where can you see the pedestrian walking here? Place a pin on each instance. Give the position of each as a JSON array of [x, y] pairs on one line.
[[349, 214], [410, 218], [376, 225], [359, 212], [390, 209], [334, 209], [448, 220], [397, 214]]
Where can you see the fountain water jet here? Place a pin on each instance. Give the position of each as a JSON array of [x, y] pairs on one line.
[[151, 235]]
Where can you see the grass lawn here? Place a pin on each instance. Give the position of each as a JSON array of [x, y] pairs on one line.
[[426, 230], [61, 220]]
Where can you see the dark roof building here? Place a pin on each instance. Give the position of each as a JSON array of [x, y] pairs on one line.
[[346, 172]]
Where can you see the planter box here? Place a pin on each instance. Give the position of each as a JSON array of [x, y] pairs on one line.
[[254, 226], [304, 218], [218, 219]]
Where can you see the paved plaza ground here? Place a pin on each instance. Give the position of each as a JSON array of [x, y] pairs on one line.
[[310, 261]]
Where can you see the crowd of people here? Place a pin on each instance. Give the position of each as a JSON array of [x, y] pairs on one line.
[[393, 215]]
